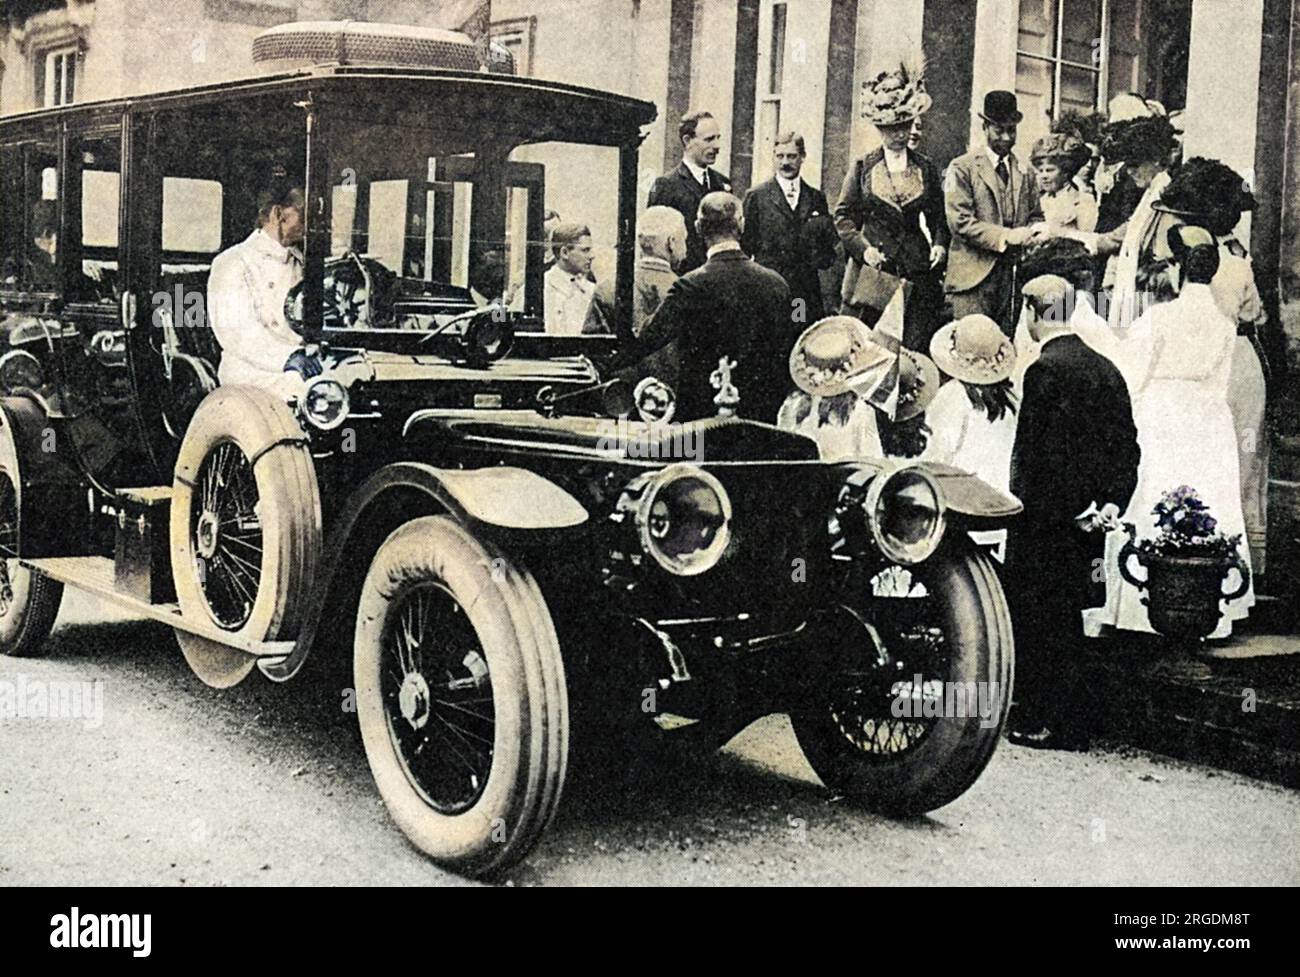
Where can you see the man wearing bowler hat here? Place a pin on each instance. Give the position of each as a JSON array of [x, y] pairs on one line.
[[991, 203]]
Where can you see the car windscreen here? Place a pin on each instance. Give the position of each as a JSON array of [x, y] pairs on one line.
[[427, 225]]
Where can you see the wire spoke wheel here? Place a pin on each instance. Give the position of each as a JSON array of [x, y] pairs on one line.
[[245, 538], [461, 695], [8, 543], [907, 716], [226, 535], [908, 674], [437, 693]]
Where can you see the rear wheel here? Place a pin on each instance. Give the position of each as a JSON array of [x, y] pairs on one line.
[[245, 527], [911, 716], [461, 696]]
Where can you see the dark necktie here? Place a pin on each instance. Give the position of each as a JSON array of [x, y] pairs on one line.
[[1003, 173], [706, 181]]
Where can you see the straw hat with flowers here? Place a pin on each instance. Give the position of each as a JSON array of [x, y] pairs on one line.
[[833, 353], [974, 349]]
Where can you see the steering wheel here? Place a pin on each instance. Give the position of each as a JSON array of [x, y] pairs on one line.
[[357, 295]]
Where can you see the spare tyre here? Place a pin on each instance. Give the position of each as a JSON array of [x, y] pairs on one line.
[[245, 527]]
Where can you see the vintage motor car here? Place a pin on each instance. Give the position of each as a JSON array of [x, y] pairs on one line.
[[515, 553]]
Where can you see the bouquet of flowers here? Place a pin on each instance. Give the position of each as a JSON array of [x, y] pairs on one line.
[[1186, 528]]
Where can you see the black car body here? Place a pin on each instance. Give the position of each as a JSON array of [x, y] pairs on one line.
[[458, 474]]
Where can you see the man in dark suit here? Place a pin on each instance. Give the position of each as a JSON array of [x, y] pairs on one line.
[[684, 188], [991, 201], [788, 228], [731, 308], [1074, 467]]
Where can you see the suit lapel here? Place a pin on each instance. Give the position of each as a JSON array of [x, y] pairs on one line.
[[990, 177], [1017, 182], [697, 191], [777, 197]]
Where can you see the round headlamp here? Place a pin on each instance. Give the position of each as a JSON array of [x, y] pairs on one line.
[[325, 403], [684, 519], [905, 513]]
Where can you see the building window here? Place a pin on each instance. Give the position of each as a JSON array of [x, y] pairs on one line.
[[56, 76], [516, 36], [776, 61], [771, 86], [1061, 60]]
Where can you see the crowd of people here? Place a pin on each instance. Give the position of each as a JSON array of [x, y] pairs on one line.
[[1077, 330]]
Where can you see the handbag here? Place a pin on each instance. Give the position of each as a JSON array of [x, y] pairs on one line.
[[865, 285]]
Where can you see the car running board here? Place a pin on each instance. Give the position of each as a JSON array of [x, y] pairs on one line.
[[94, 574]]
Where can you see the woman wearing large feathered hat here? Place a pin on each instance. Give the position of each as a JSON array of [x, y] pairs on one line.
[[890, 214]]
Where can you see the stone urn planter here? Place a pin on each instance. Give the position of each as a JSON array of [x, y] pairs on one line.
[[1182, 592]]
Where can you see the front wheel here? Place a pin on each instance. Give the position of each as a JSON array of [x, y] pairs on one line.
[[911, 715], [461, 696]]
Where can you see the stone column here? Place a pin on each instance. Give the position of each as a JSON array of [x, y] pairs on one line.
[[1289, 236], [997, 27], [1223, 82]]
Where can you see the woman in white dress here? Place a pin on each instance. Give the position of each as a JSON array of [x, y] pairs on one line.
[[1212, 195], [972, 419], [1185, 428]]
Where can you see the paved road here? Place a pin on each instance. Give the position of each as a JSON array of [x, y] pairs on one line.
[[268, 784]]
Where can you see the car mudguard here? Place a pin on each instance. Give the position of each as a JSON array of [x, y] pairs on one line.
[[968, 497], [490, 500]]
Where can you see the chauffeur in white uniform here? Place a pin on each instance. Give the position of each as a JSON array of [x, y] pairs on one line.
[[247, 287]]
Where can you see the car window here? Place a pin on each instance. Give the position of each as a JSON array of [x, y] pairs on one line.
[[92, 226], [213, 161], [12, 218], [191, 216], [36, 258]]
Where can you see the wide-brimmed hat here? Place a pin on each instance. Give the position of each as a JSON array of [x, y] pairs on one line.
[[918, 377], [1001, 108], [1141, 140], [1128, 105], [974, 349], [918, 382], [832, 353], [895, 97], [1084, 126], [1208, 192]]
